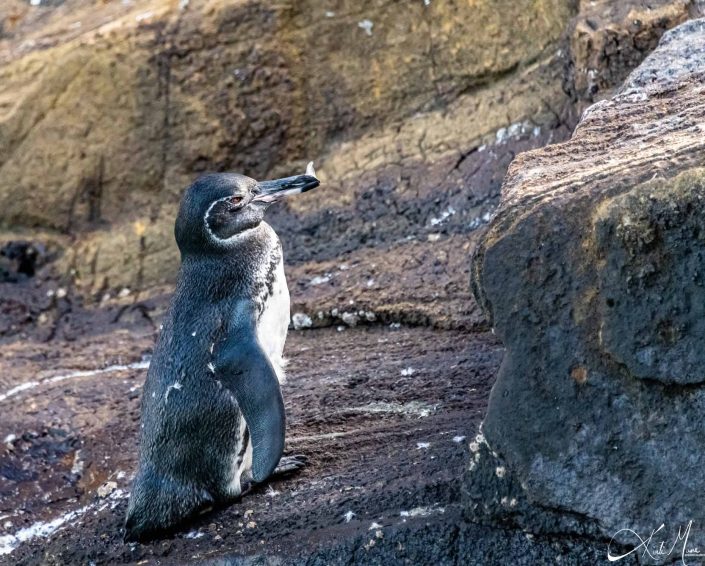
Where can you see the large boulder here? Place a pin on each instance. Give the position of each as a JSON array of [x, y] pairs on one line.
[[593, 274]]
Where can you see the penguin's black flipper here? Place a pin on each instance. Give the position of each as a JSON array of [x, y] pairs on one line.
[[244, 368]]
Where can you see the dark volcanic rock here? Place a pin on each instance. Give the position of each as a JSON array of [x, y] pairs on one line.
[[593, 272], [20, 260], [445, 540], [609, 39]]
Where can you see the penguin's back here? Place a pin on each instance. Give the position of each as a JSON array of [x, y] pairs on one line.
[[191, 424]]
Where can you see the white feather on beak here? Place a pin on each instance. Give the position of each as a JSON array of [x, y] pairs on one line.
[[310, 170]]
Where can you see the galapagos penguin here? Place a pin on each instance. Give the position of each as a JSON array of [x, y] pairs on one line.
[[212, 412]]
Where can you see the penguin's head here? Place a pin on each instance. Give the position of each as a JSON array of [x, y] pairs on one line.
[[220, 208]]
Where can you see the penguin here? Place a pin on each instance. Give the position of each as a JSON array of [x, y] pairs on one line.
[[212, 417]]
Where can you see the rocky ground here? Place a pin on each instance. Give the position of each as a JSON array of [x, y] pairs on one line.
[[383, 414]]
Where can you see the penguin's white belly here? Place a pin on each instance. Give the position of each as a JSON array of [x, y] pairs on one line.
[[272, 327], [274, 322]]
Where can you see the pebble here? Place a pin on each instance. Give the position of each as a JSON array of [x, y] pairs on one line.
[[107, 488]]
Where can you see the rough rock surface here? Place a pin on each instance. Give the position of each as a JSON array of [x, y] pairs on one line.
[[592, 275], [70, 425], [609, 39], [412, 111], [108, 108], [383, 416]]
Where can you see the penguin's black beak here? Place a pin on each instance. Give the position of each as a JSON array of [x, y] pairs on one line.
[[272, 191]]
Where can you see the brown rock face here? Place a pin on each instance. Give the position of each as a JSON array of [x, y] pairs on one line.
[[412, 111], [592, 273], [108, 110]]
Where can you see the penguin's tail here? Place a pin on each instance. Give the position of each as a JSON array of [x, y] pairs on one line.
[[158, 503]]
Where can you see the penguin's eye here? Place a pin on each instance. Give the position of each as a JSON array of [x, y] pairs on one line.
[[235, 200]]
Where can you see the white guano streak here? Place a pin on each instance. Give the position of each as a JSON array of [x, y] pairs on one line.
[[44, 529], [72, 375]]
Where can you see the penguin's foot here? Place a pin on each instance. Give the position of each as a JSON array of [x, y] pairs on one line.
[[290, 464]]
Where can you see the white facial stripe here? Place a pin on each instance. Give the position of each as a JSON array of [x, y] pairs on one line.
[[212, 235]]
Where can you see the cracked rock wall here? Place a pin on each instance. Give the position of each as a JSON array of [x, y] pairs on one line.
[[411, 110], [109, 109]]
